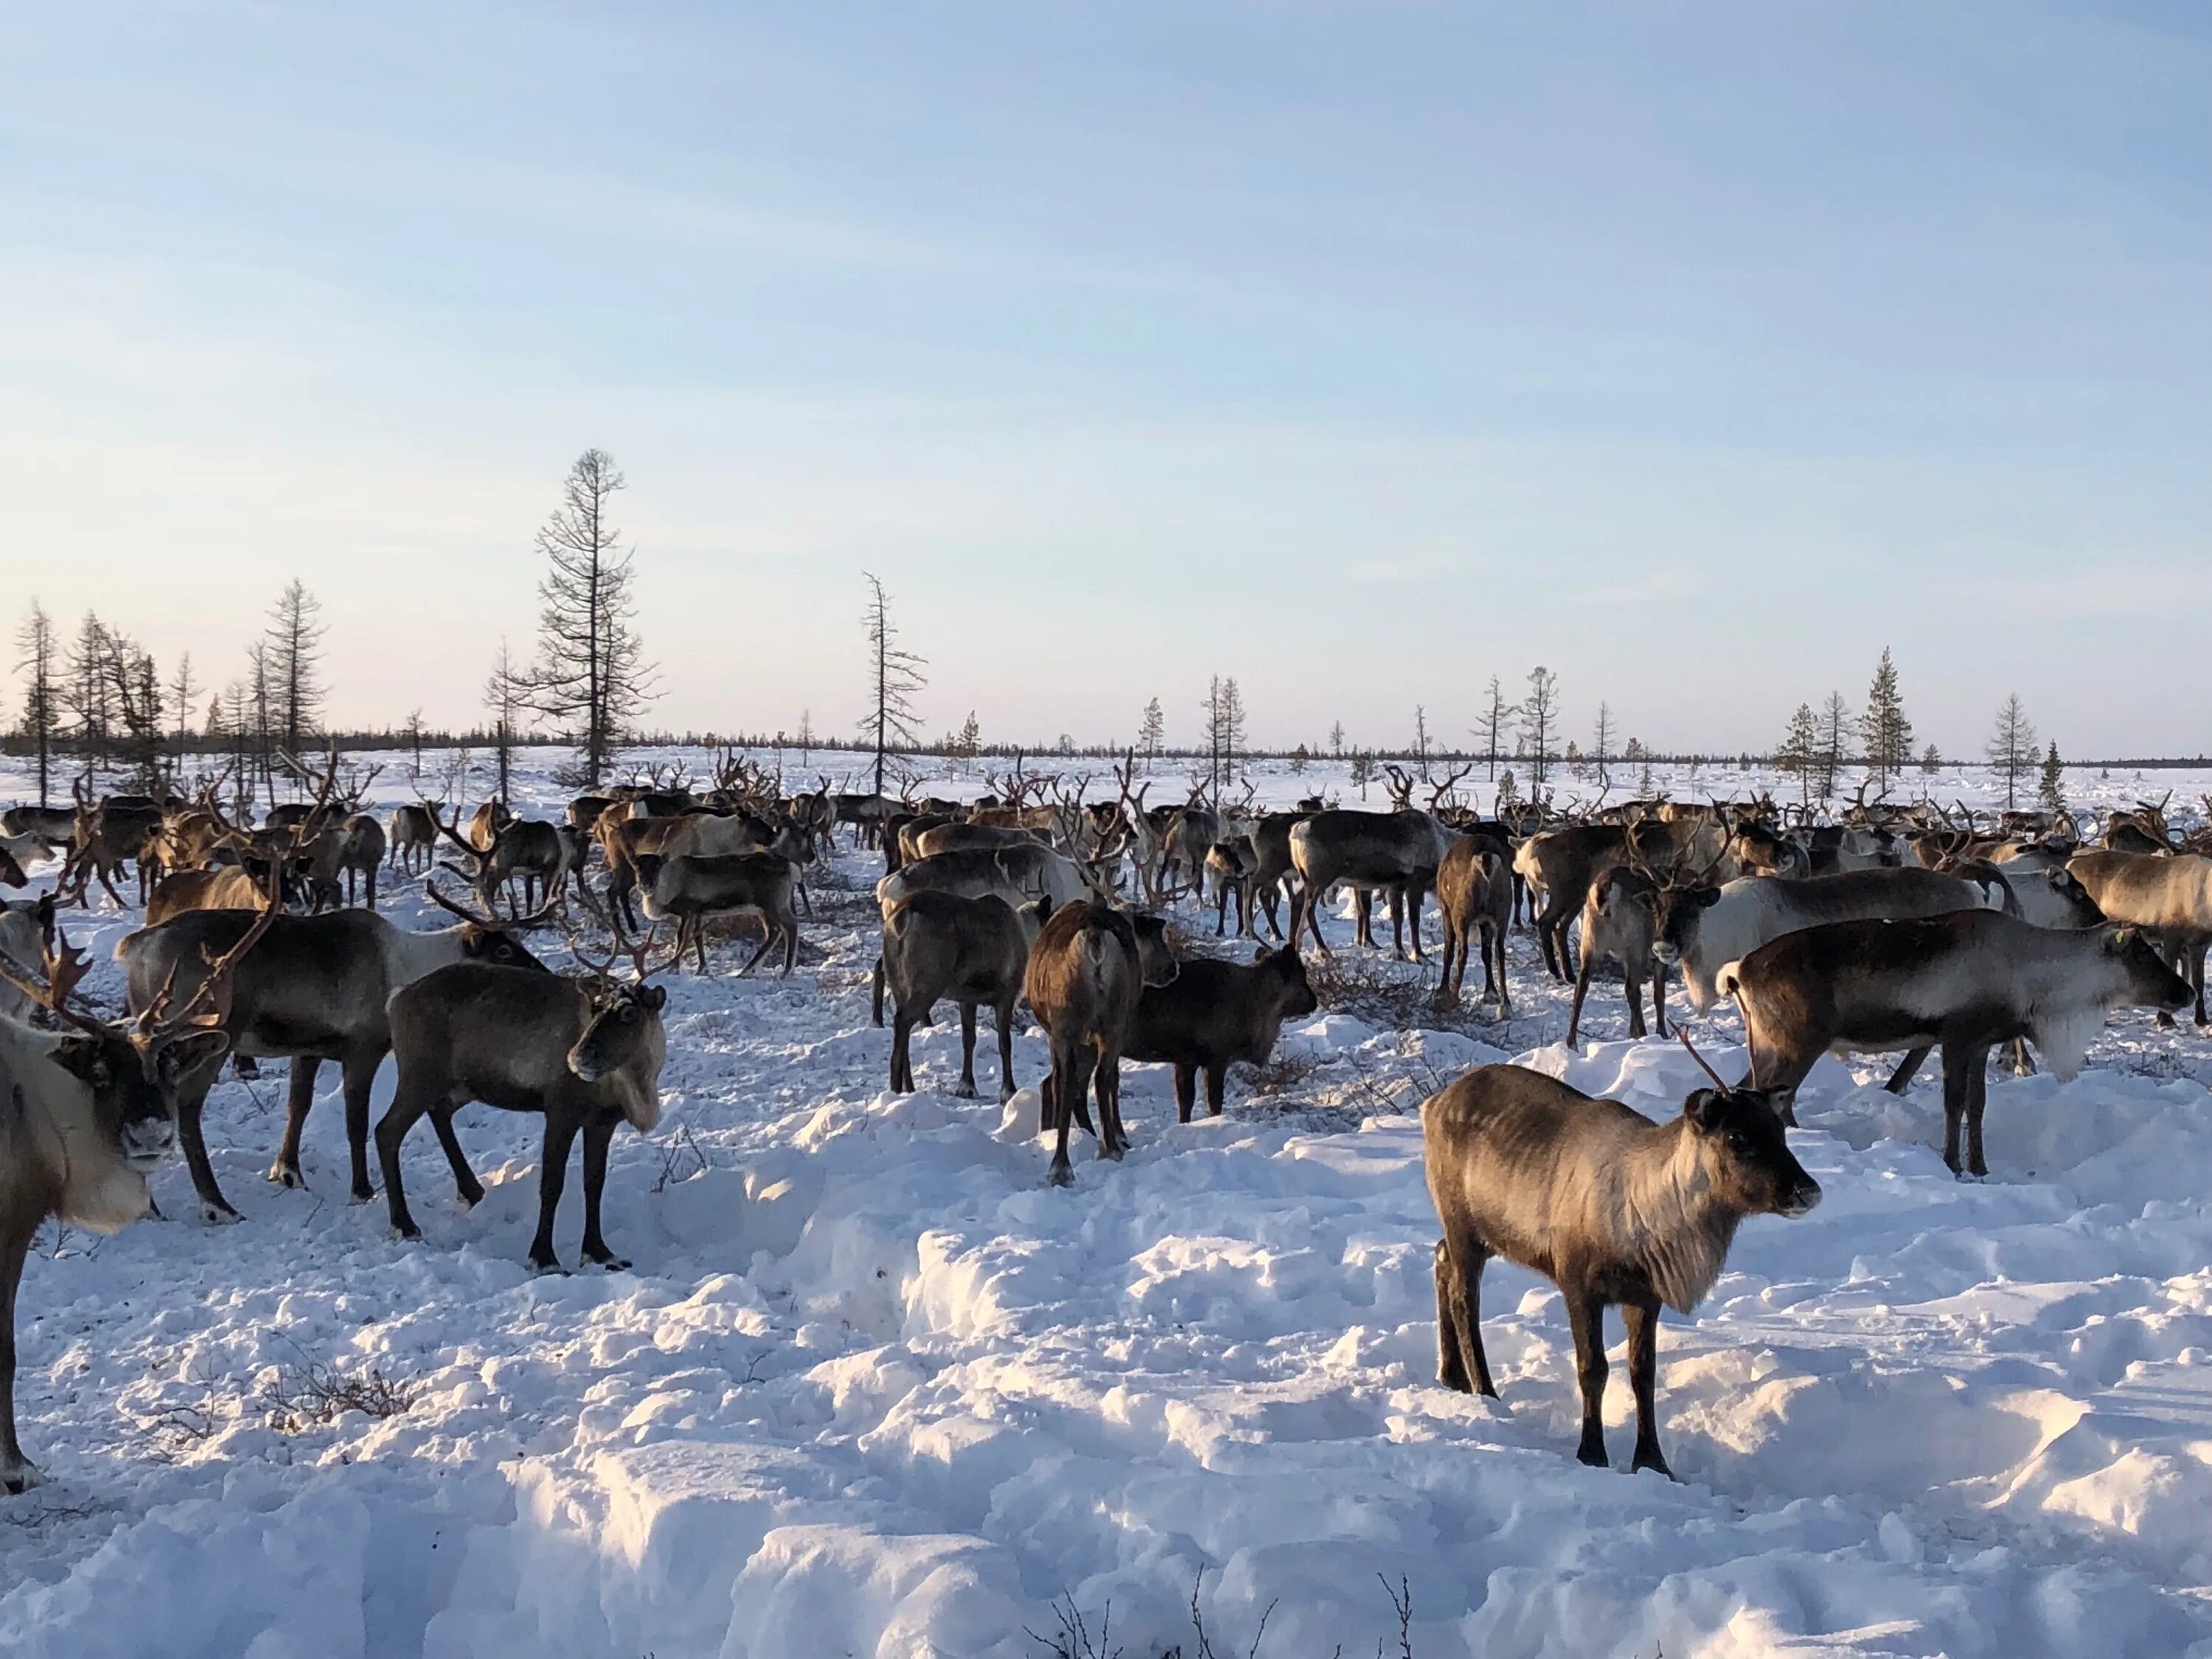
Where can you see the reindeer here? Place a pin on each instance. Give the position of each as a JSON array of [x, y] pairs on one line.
[[315, 990], [1474, 899], [1614, 1209], [2168, 894], [1396, 853], [1620, 924], [974, 950], [1090, 965], [413, 836], [588, 1056], [1968, 980], [688, 891], [527, 848], [86, 1114]]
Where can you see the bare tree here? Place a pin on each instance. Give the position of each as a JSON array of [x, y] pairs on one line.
[[1336, 740], [1540, 716], [2011, 748], [806, 738], [42, 713], [891, 721], [1835, 723], [182, 690], [591, 677], [505, 694], [1224, 733], [296, 673], [1497, 715]]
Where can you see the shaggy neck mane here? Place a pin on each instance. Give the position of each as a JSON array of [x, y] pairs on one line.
[[1673, 1227], [93, 1186]]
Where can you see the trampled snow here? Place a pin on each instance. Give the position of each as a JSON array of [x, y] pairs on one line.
[[872, 1388]]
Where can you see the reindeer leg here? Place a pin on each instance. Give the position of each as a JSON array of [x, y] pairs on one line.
[[597, 1134], [299, 1101], [1902, 1077], [1642, 1319], [17, 1473]]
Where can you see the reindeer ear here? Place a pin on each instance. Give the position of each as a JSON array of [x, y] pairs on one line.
[[85, 1058], [654, 997], [1708, 897], [2121, 937], [1698, 1109], [1260, 955]]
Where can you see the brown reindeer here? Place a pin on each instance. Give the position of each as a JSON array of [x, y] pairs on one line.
[[1090, 965], [1615, 1210]]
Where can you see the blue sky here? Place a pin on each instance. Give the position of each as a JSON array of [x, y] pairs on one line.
[[1361, 351]]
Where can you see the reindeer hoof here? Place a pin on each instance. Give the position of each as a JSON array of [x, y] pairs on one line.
[[1060, 1175], [17, 1479], [1593, 1455], [287, 1175], [965, 1091], [1652, 1460], [612, 1263], [552, 1269], [218, 1215], [359, 1195], [245, 1067]]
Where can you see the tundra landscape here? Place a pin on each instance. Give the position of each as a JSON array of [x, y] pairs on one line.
[[1139, 831]]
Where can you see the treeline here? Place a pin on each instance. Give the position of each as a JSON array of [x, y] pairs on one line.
[[96, 701]]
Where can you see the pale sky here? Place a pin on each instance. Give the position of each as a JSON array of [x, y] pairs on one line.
[[1358, 350]]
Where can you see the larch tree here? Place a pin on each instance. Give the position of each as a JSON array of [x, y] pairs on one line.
[[1336, 740], [40, 664], [183, 691], [1539, 718], [1224, 733], [296, 668], [505, 696], [1601, 742], [1497, 715], [591, 679], [2011, 747], [1833, 742], [1152, 732], [896, 677], [88, 693]]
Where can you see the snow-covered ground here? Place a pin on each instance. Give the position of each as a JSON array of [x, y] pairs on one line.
[[872, 1388]]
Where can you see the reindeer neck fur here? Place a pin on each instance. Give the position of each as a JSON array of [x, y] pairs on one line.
[[2064, 992], [46, 1122], [1671, 1226]]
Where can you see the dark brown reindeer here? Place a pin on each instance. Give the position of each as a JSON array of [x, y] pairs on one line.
[[316, 989], [688, 891], [1474, 899], [1615, 1210], [1212, 1015], [1967, 980], [586, 1055], [1392, 853], [86, 1114], [972, 952], [1090, 965]]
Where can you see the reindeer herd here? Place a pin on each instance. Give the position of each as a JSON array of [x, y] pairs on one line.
[[1889, 930]]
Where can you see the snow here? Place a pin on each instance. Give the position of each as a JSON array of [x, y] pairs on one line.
[[872, 1388]]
